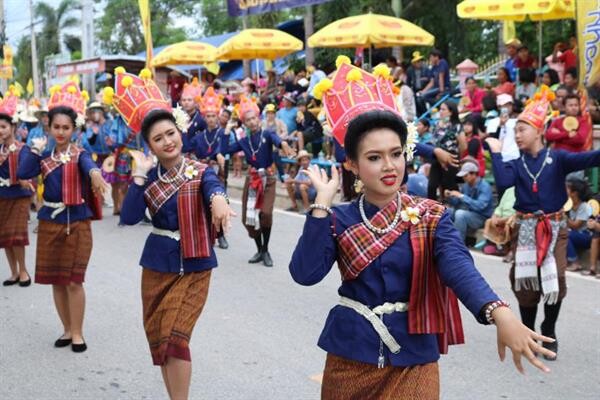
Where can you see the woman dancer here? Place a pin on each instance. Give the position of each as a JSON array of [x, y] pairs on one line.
[[187, 203], [400, 259], [64, 241], [15, 196]]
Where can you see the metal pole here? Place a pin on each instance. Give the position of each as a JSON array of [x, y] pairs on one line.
[[246, 63], [87, 44], [397, 8], [3, 82], [34, 60], [540, 45], [308, 31]]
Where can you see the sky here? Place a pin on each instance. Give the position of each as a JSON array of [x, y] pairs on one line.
[[16, 14]]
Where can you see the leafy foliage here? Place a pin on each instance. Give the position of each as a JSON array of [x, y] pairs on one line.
[[119, 29]]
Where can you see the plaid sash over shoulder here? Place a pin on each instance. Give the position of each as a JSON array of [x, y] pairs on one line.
[[72, 193], [433, 306], [13, 162], [197, 234]]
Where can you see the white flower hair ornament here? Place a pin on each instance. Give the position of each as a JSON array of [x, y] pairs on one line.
[[412, 138], [80, 121], [182, 119]]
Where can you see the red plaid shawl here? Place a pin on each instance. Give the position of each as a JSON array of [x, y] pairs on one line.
[[74, 190], [197, 234], [256, 183], [13, 162], [433, 306]]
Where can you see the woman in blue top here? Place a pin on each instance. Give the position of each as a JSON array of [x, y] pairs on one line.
[[64, 243], [401, 262], [15, 197], [188, 204]]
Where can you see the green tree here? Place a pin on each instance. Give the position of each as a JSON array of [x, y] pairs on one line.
[[119, 29], [55, 21], [22, 60], [214, 20]]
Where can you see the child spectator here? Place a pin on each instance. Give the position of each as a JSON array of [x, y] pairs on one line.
[[580, 237]]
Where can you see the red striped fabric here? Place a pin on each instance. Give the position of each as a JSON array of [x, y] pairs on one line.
[[433, 306], [197, 233], [71, 177], [13, 163]]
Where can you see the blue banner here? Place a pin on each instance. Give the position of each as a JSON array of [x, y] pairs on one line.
[[238, 8]]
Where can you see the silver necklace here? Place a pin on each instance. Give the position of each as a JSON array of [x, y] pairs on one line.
[[252, 151], [534, 178], [210, 143], [171, 180], [381, 231]]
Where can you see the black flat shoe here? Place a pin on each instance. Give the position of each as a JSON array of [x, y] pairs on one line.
[[78, 347], [552, 347], [267, 260], [223, 242], [10, 282], [25, 283], [62, 342], [258, 257]]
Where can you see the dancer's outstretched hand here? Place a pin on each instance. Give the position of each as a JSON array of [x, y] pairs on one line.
[[221, 213], [522, 341]]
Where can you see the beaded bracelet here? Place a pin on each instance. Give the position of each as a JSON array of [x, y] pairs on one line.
[[222, 194], [316, 206], [491, 307], [93, 170]]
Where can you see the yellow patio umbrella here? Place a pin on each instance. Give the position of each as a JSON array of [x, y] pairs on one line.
[[371, 30], [518, 10], [266, 44], [185, 53]]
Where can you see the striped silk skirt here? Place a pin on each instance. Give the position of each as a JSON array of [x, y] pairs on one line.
[[172, 304], [345, 379], [62, 259], [13, 221]]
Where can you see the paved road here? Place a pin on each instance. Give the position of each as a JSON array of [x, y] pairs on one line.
[[257, 336]]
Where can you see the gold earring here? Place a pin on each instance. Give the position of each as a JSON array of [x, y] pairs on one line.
[[358, 185]]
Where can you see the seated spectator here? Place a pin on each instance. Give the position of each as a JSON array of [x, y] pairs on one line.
[[309, 129], [405, 97], [424, 131], [580, 237], [571, 80], [274, 124], [594, 101], [473, 97], [474, 204], [550, 79], [570, 132], [300, 187], [416, 184], [527, 87], [498, 229], [524, 59], [593, 225], [445, 136], [288, 113], [558, 104], [470, 144], [505, 83], [439, 83]]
